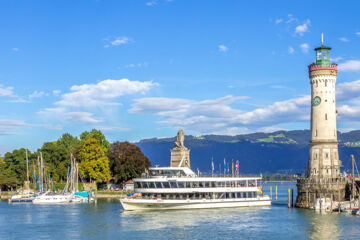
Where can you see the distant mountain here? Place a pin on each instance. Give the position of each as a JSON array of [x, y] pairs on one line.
[[277, 152]]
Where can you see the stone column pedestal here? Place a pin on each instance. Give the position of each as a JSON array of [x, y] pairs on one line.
[[177, 154]]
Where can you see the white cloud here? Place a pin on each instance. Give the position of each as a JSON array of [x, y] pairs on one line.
[[152, 3], [71, 116], [305, 47], [357, 33], [344, 39], [348, 91], [56, 92], [301, 29], [270, 129], [6, 91], [7, 124], [132, 65], [103, 93], [37, 94], [350, 65], [223, 48], [277, 21], [219, 115], [216, 115], [120, 41], [336, 59], [291, 19], [19, 100], [15, 49], [112, 129], [291, 50]]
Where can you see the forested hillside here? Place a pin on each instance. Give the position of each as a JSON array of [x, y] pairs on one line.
[[278, 152]]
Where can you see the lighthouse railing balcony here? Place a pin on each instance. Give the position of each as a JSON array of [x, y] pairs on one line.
[[330, 66]]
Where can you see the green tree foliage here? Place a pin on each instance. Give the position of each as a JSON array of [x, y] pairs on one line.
[[98, 135], [128, 161], [15, 162], [70, 143], [12, 169], [56, 159], [94, 164]]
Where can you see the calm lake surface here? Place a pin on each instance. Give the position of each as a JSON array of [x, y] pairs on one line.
[[105, 220]]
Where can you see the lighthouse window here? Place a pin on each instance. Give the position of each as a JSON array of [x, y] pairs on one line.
[[325, 116], [325, 83], [326, 155], [315, 133]]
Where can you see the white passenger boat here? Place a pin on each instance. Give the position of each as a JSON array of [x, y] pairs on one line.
[[52, 198], [181, 188]]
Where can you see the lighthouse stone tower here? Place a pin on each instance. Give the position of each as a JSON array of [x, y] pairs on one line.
[[323, 173]]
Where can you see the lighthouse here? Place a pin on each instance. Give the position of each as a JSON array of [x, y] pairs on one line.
[[323, 156], [322, 179]]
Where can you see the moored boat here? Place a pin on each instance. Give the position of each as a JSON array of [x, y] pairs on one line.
[[181, 188]]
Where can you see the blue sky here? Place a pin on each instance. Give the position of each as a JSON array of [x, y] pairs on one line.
[[142, 69]]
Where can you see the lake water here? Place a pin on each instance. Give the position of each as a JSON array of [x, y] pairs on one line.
[[105, 220]]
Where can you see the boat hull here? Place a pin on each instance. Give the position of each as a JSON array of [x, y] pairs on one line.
[[158, 204]]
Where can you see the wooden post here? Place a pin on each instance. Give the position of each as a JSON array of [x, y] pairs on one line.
[[292, 197], [288, 197], [331, 208], [275, 192], [271, 193]]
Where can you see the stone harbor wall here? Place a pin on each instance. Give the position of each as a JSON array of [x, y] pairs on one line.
[[309, 189]]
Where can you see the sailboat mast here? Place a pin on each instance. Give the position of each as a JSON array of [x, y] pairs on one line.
[[27, 166], [38, 162], [353, 176]]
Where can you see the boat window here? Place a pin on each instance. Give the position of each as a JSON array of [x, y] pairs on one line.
[[166, 184], [201, 184], [151, 185], [181, 184], [137, 185], [238, 195], [233, 195], [144, 185], [158, 184], [228, 195], [173, 184], [188, 185], [195, 184], [213, 184], [207, 184]]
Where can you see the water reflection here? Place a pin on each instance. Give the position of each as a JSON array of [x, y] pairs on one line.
[[323, 225]]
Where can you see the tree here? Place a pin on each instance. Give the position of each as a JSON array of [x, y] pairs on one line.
[[98, 135], [70, 143], [94, 164], [7, 176], [56, 158], [15, 164], [128, 161]]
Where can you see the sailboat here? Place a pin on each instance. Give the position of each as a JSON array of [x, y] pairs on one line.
[[26, 195], [50, 197]]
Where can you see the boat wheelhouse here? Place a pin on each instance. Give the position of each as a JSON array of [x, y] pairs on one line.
[[181, 188]]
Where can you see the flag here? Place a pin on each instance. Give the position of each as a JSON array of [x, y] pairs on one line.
[[212, 164], [232, 167], [237, 167], [224, 166], [228, 170]]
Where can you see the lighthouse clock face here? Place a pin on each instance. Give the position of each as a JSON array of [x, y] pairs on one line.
[[316, 101]]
